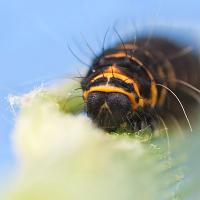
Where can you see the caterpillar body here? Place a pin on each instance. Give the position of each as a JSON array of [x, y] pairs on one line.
[[134, 83]]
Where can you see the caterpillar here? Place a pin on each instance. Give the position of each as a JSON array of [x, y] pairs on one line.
[[137, 83]]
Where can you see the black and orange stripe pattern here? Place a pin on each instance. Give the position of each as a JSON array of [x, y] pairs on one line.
[[122, 85]]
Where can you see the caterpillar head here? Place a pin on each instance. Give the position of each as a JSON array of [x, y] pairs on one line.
[[111, 99], [108, 110]]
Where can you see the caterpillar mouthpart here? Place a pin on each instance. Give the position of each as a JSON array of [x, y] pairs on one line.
[[109, 110]]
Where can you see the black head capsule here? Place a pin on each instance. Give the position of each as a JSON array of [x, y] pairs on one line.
[[112, 99], [108, 110]]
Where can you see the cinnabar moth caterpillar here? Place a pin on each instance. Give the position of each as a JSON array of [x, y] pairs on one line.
[[134, 83]]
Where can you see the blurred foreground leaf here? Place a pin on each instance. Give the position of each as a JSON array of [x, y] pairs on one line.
[[64, 156]]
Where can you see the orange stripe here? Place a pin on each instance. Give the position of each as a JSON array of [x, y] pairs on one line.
[[113, 72], [109, 88], [127, 46], [154, 94], [123, 54], [113, 69]]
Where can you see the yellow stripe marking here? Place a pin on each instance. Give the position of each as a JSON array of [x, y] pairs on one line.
[[123, 54], [109, 88], [113, 72], [127, 46]]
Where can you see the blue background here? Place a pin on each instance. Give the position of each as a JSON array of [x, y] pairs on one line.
[[34, 36]]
